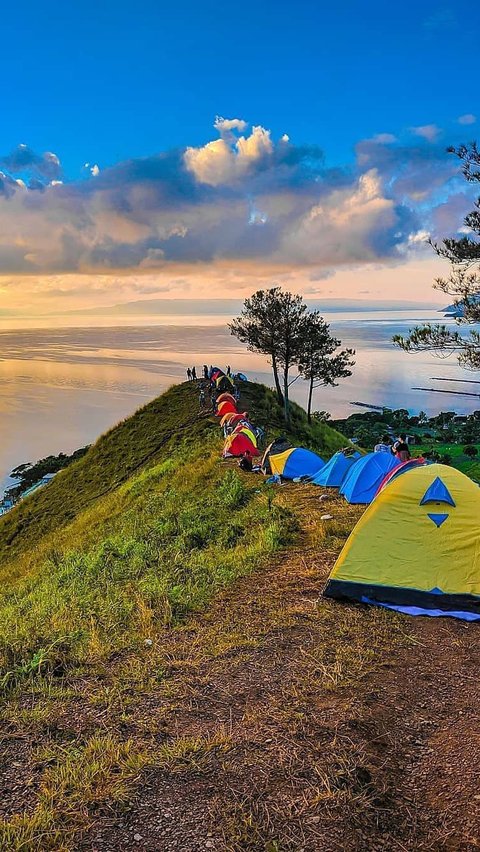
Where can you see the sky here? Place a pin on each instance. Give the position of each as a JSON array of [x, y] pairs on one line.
[[198, 150]]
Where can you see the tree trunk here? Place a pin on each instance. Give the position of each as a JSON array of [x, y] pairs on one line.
[[277, 381], [286, 409], [309, 408]]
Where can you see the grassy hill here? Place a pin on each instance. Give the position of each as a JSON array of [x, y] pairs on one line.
[[170, 679], [135, 534]]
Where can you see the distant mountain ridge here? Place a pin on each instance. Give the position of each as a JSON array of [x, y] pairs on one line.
[[222, 307]]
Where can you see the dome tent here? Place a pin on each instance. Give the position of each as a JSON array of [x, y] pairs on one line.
[[335, 470], [246, 429], [226, 397], [239, 443], [295, 462], [224, 383], [402, 468], [416, 547], [362, 480], [231, 418], [226, 408], [279, 445]]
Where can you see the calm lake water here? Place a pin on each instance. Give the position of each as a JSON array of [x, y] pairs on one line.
[[61, 388]]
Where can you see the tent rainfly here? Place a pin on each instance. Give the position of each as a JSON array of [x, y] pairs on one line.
[[416, 549]]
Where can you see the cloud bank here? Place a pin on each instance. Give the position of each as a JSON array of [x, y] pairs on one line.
[[243, 196]]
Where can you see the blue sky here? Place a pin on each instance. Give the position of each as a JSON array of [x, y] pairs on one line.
[[201, 150], [106, 81]]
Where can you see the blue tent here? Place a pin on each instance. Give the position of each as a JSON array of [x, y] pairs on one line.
[[362, 480], [295, 462], [336, 469]]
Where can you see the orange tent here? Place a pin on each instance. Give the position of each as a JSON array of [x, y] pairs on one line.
[[226, 397]]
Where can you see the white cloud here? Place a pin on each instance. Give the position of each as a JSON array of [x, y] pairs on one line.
[[224, 161], [338, 230], [384, 138], [468, 118], [95, 170], [50, 157], [429, 132], [226, 125]]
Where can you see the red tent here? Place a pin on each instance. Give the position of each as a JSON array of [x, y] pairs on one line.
[[237, 445], [226, 408]]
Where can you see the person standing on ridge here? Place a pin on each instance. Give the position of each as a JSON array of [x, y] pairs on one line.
[[194, 374], [205, 372], [189, 374], [229, 372]]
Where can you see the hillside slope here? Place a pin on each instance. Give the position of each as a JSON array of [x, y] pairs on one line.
[[154, 432], [141, 530], [171, 679], [271, 721]]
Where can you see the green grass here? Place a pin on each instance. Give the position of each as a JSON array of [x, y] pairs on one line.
[[471, 467], [153, 433], [262, 406], [134, 536], [80, 778]]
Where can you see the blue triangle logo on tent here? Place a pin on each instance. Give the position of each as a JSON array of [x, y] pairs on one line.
[[437, 492], [438, 520]]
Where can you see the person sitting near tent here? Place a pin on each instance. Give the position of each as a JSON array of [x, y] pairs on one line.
[[384, 446], [401, 450], [246, 462], [201, 396]]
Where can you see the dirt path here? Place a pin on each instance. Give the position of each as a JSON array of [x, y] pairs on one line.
[[285, 722]]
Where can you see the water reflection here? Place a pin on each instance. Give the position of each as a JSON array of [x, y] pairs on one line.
[[60, 388]]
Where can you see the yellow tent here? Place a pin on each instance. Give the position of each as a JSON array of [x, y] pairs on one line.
[[417, 546]]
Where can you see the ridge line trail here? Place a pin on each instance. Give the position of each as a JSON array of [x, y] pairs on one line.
[[289, 722]]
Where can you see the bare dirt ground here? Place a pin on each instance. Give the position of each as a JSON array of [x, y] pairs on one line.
[[293, 723], [284, 722]]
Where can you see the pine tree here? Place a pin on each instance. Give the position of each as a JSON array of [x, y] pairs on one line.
[[463, 283]]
